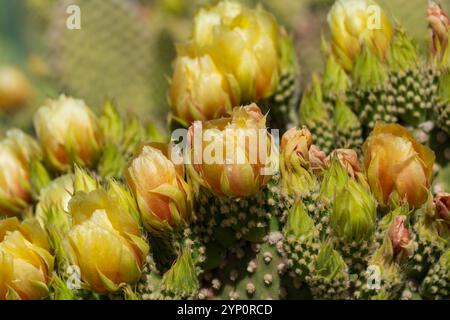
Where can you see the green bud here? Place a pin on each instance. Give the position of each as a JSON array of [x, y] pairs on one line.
[[181, 280], [154, 134], [334, 179], [330, 264], [354, 212], [299, 223], [288, 63], [52, 214], [54, 199], [61, 290]]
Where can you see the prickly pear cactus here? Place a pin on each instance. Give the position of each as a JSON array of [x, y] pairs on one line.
[[110, 56], [344, 207]]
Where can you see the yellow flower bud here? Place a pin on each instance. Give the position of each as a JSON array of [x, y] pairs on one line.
[[25, 262], [69, 133], [104, 242], [208, 21], [348, 159], [232, 156], [162, 195], [16, 152], [398, 167], [199, 91], [354, 23], [250, 48], [14, 89], [245, 42]]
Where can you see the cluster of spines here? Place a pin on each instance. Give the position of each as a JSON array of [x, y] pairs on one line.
[[427, 253], [436, 284], [252, 271], [283, 104]]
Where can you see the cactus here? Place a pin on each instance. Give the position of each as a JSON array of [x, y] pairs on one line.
[[397, 86], [93, 64], [436, 283], [350, 213]]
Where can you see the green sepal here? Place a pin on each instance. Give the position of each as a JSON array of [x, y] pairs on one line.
[[344, 118], [288, 63], [83, 181], [335, 79], [111, 124], [39, 177], [111, 163], [181, 280], [334, 179], [312, 107], [60, 290]]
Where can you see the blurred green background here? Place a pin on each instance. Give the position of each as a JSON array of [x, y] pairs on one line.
[[125, 48]]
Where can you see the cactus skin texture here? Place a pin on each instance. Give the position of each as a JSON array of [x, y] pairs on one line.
[[252, 272], [436, 284]]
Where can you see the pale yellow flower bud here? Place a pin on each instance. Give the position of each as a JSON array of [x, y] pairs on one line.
[[104, 242], [199, 91], [68, 132], [232, 156], [25, 262], [357, 23], [245, 43], [16, 152]]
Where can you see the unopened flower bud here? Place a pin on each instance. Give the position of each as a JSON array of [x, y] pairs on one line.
[[348, 159], [163, 197], [400, 237], [104, 241], [69, 133], [439, 25], [354, 212], [25, 260], [442, 204], [232, 156], [199, 91], [16, 152], [398, 167], [357, 23], [298, 160]]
